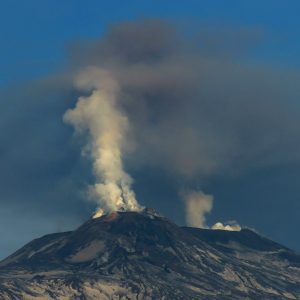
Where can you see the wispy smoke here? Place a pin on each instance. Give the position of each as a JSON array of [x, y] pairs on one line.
[[197, 205], [107, 126]]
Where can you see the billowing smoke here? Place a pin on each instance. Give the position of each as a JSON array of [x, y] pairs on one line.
[[197, 205], [192, 112], [107, 126]]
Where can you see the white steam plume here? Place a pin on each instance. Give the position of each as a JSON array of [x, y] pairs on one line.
[[231, 226], [197, 204], [107, 126]]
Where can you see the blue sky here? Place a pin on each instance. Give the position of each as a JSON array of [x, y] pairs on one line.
[[34, 34], [35, 40]]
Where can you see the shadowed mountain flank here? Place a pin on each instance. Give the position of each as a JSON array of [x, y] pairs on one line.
[[143, 255]]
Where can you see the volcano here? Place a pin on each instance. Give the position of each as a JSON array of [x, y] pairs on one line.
[[143, 255]]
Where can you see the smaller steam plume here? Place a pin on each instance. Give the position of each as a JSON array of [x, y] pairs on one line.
[[107, 126], [197, 204], [231, 226]]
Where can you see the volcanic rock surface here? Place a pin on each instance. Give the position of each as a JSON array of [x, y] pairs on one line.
[[142, 255]]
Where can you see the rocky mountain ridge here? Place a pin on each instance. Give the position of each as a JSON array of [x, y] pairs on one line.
[[143, 255]]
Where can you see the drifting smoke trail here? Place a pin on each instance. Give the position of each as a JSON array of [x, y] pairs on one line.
[[107, 126]]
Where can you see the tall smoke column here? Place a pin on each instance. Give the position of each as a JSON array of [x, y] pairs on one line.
[[107, 126]]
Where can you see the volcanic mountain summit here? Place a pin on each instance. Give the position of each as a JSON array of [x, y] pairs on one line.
[[143, 255]]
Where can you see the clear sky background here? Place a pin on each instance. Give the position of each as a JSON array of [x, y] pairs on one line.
[[37, 193]]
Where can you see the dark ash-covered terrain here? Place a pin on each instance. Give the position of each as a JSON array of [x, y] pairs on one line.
[[142, 255]]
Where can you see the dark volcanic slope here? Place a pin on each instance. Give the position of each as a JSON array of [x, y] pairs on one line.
[[130, 255]]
